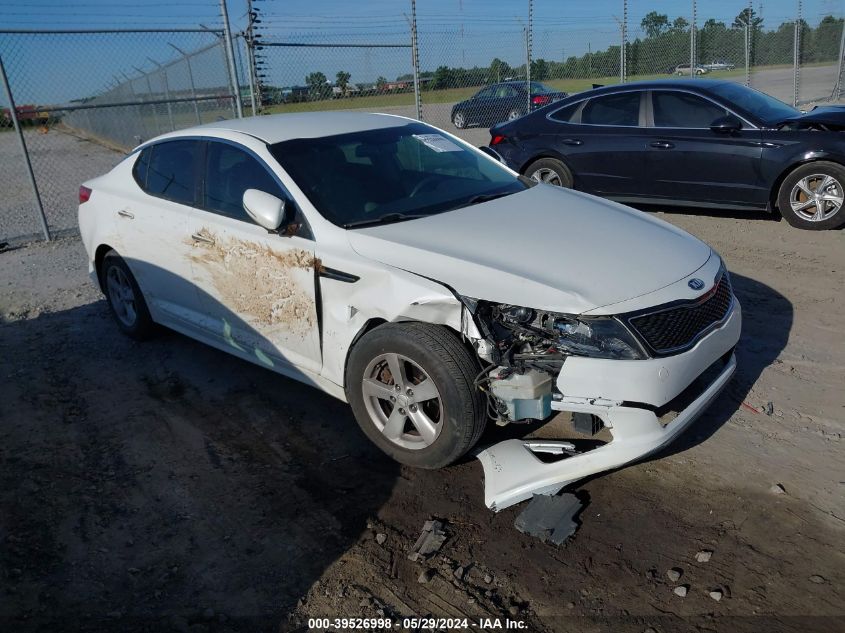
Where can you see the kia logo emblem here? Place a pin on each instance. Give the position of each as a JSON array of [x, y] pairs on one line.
[[695, 283]]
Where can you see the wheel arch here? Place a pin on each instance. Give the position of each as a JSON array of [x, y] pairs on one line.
[[547, 153], [813, 157], [99, 256]]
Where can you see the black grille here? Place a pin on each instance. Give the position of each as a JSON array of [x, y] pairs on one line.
[[673, 329]]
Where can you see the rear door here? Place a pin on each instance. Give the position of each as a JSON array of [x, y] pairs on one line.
[[258, 288], [603, 140], [155, 220], [686, 160]]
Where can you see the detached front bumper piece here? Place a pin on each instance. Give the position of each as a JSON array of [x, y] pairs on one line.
[[513, 472]]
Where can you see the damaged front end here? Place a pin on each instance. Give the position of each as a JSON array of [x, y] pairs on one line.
[[530, 347], [626, 400]]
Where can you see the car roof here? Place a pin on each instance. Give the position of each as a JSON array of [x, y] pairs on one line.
[[275, 128], [701, 85]]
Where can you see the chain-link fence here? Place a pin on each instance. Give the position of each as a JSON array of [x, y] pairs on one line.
[[462, 65], [113, 88]]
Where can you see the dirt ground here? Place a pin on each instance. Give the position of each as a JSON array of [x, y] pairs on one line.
[[168, 486]]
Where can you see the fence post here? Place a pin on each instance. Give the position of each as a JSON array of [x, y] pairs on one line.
[[623, 52], [163, 72], [692, 55], [415, 59], [230, 59], [796, 57], [190, 79], [13, 113], [838, 91], [529, 33], [250, 57]]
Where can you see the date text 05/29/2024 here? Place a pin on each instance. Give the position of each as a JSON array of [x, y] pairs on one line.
[[433, 624]]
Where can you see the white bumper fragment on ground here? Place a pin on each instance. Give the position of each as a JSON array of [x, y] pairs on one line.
[[513, 472]]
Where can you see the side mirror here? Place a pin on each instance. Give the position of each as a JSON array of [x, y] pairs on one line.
[[726, 124], [267, 210]]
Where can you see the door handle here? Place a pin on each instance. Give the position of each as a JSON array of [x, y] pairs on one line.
[[126, 214], [572, 141], [663, 144], [199, 237]]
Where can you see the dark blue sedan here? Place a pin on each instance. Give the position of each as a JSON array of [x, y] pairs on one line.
[[504, 101], [699, 143]]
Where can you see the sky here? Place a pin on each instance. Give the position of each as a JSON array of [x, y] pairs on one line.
[[49, 69]]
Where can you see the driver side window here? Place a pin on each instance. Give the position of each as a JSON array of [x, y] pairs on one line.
[[229, 172]]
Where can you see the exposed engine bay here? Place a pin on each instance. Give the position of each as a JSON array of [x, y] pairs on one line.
[[529, 348]]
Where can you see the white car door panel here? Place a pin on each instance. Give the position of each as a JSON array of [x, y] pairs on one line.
[[152, 231], [258, 288]]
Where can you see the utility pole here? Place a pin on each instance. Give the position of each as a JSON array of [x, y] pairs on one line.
[[528, 36], [250, 55], [692, 55], [230, 59], [796, 58], [415, 59]]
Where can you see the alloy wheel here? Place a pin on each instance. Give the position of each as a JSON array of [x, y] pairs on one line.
[[817, 197], [548, 176], [402, 401], [121, 296]]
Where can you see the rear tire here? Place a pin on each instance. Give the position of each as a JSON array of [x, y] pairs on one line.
[[812, 196], [514, 114], [431, 360], [550, 171], [125, 299]]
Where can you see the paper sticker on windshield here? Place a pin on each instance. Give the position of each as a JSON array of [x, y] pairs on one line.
[[438, 142]]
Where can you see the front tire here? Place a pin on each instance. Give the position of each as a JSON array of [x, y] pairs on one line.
[[550, 171], [411, 389], [124, 297], [459, 120], [812, 196]]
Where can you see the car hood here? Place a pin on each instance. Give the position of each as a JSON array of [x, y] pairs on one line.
[[825, 115], [546, 247]]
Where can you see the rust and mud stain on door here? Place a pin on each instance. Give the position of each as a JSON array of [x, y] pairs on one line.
[[255, 281]]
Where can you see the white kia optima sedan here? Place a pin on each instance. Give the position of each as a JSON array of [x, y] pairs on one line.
[[399, 269]]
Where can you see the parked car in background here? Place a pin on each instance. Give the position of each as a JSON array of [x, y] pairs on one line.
[[683, 69], [504, 101], [718, 65], [375, 257], [698, 143]]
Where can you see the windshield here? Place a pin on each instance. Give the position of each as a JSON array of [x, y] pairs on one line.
[[766, 108], [391, 174]]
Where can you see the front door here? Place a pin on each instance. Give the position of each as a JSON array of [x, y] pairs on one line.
[[689, 161], [258, 287]]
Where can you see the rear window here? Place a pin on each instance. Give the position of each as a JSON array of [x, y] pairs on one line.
[[566, 113], [171, 171], [614, 109]]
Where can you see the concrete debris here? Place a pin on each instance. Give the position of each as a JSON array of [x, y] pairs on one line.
[[430, 541], [550, 518], [675, 574], [681, 590], [381, 537], [459, 573], [704, 555], [488, 579], [777, 489], [425, 576], [716, 594], [819, 580]]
